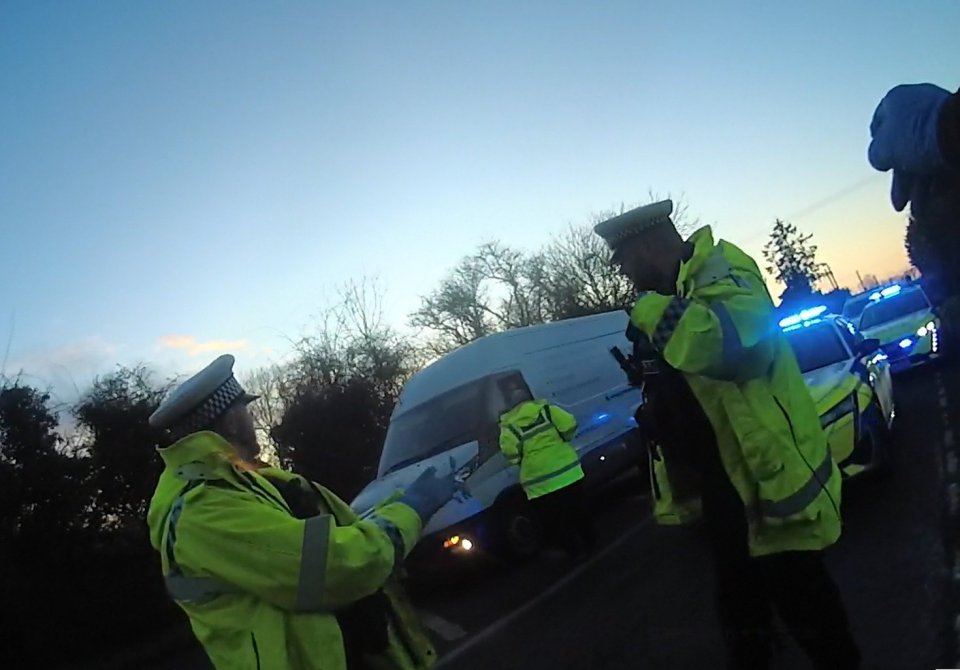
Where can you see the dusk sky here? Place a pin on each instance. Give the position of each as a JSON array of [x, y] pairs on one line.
[[179, 179]]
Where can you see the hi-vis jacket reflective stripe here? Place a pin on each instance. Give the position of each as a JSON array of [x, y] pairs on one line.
[[260, 585], [537, 436], [719, 329]]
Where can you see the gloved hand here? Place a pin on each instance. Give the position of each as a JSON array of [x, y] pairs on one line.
[[428, 493], [905, 139]]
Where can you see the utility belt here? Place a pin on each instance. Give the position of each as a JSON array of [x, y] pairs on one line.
[[674, 422], [364, 624]]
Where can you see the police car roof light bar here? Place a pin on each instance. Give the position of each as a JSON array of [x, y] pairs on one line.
[[800, 317]]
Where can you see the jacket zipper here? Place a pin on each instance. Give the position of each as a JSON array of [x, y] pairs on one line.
[[823, 486], [256, 651], [787, 419]]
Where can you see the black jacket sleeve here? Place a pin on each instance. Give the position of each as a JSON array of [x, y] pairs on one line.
[[949, 130]]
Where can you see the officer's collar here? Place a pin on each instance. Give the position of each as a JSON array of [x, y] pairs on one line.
[[204, 446], [701, 241]]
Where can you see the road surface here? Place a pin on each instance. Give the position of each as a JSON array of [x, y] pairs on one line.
[[645, 600]]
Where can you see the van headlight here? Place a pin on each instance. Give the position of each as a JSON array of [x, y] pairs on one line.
[[841, 409]]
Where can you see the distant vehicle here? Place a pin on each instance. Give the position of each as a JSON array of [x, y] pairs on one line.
[[451, 409], [854, 306], [904, 321], [849, 378]]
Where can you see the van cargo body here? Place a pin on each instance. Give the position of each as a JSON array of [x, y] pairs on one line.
[[450, 410]]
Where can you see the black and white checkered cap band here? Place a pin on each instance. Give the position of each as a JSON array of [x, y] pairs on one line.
[[627, 232], [206, 412]]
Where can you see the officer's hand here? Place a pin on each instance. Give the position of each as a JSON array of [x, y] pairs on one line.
[[904, 133], [428, 493]]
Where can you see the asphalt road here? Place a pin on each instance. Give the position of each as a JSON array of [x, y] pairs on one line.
[[645, 601]]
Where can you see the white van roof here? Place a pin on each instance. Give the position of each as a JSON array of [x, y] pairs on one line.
[[502, 351]]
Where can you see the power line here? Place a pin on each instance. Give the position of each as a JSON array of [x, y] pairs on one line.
[[818, 204], [842, 193]]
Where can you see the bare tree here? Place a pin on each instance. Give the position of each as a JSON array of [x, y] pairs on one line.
[[267, 382], [326, 410], [458, 311], [498, 287], [579, 277]]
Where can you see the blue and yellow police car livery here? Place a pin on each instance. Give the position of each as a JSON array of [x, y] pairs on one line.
[[902, 318], [849, 378]]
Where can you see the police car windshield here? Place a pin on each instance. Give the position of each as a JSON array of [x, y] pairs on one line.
[[446, 421], [894, 307], [817, 346]]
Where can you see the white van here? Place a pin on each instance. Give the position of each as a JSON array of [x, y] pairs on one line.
[[451, 408]]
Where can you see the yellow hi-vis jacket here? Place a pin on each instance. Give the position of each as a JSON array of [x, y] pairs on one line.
[[260, 586], [719, 330], [536, 435]]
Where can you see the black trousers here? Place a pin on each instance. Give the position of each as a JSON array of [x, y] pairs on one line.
[[748, 589], [566, 519]]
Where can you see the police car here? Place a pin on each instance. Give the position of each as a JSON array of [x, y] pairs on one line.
[[902, 318], [849, 377]]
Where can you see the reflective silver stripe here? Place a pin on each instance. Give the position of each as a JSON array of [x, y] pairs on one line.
[[541, 425], [730, 340], [555, 473], [668, 321], [196, 589], [313, 562], [806, 494], [536, 430]]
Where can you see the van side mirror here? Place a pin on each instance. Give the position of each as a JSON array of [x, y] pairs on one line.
[[868, 346]]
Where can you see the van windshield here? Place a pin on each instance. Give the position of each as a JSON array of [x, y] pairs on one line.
[[446, 421]]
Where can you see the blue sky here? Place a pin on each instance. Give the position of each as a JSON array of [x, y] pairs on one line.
[[178, 179]]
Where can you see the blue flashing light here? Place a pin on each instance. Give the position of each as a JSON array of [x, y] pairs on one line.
[[596, 421], [802, 317], [906, 343], [886, 293]]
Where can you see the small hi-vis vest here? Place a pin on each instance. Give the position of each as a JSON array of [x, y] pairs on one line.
[[536, 436]]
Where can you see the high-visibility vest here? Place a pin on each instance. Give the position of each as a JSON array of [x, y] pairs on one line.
[[719, 329], [536, 436], [261, 587]]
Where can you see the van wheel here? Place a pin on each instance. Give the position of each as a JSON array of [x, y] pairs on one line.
[[522, 531]]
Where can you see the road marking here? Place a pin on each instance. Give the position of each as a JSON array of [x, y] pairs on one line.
[[506, 621], [943, 400], [447, 630]]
